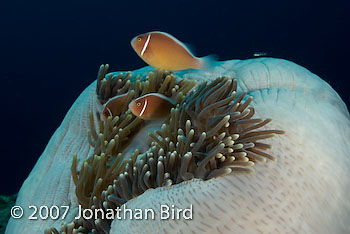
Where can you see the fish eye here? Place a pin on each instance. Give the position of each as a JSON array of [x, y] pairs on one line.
[[139, 39], [138, 104]]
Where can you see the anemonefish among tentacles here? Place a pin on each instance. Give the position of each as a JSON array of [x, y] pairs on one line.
[[152, 106], [165, 52], [113, 106]]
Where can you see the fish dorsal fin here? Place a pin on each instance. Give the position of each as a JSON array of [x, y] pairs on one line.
[[186, 46], [163, 97], [190, 48]]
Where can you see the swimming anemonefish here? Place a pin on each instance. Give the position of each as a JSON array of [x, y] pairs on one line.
[[165, 52], [151, 106], [113, 106]]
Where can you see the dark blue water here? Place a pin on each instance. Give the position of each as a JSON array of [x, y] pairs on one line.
[[51, 51]]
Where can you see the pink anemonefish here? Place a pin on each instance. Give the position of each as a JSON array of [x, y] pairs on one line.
[[165, 52], [113, 106], [152, 106]]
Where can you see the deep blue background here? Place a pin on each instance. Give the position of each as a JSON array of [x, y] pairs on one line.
[[51, 51]]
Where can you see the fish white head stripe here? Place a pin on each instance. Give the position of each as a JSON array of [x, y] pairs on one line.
[[145, 45], [109, 111], [144, 107]]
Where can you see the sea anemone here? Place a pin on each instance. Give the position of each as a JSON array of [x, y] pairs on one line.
[[211, 153], [210, 133]]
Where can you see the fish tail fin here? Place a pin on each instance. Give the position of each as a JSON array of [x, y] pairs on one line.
[[208, 62]]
